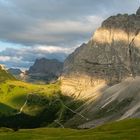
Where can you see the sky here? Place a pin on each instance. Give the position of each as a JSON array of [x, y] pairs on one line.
[[51, 28]]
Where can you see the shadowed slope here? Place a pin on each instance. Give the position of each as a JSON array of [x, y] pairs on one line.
[[118, 102]]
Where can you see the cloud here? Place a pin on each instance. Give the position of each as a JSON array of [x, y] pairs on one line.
[[4, 58], [52, 32], [51, 28], [24, 57], [49, 22], [53, 49], [85, 25], [9, 58]]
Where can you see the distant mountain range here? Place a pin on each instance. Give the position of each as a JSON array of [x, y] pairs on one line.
[[43, 71]]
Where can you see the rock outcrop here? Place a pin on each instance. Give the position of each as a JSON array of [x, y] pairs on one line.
[[114, 103], [46, 70], [111, 56], [15, 71]]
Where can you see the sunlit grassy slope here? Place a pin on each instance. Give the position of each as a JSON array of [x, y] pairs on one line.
[[25, 105], [44, 105], [4, 75], [123, 130], [13, 95]]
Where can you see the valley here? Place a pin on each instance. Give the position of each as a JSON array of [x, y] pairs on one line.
[[93, 94], [25, 105]]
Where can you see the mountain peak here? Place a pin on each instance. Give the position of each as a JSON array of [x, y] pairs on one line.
[[15, 71], [45, 69], [138, 11]]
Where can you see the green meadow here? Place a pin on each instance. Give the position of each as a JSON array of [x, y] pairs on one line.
[[26, 105], [122, 130], [13, 95], [28, 112]]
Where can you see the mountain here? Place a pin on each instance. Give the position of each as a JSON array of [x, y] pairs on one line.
[[27, 105], [100, 82], [4, 75], [16, 73], [46, 70], [104, 73]]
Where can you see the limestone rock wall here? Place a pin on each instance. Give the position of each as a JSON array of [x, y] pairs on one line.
[[111, 55]]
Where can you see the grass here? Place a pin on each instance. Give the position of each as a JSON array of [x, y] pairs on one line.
[[44, 105], [5, 76], [122, 130], [14, 93]]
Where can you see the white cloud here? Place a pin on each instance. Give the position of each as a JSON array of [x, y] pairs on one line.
[[51, 28], [4, 58], [9, 58], [53, 49], [56, 22], [24, 57]]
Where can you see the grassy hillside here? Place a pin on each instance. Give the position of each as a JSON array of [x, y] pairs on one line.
[[4, 75], [25, 105], [123, 130], [14, 94]]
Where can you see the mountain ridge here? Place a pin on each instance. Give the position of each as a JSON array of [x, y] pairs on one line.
[[96, 70], [44, 71]]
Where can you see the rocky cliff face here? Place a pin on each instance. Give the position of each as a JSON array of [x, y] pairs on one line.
[[15, 71], [114, 103], [111, 55], [45, 70]]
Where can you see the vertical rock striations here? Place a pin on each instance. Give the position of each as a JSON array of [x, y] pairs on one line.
[[112, 54], [97, 72]]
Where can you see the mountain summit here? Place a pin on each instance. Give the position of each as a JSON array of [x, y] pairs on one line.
[[102, 72], [46, 70], [112, 53]]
